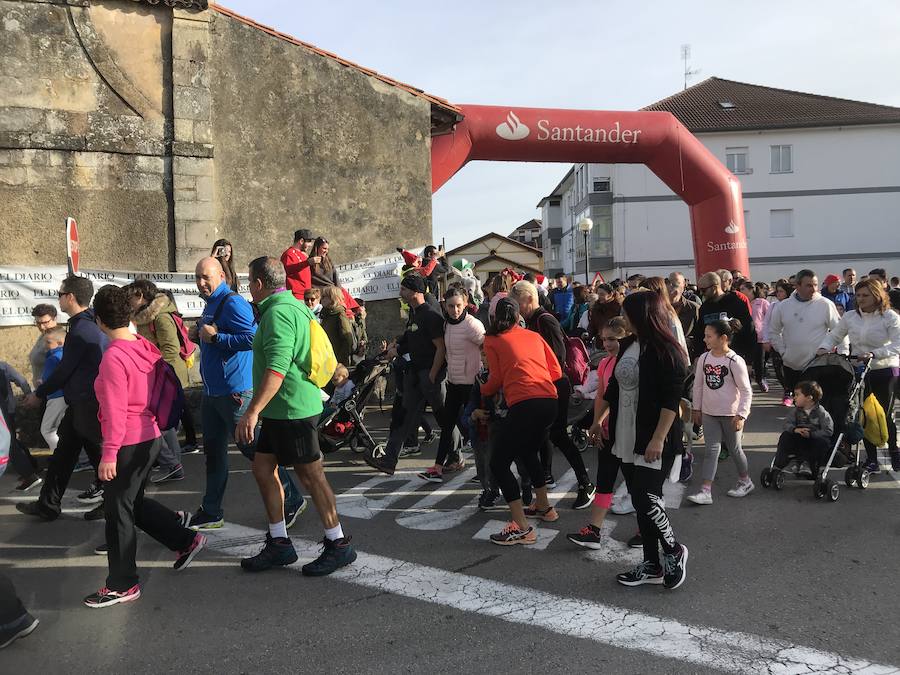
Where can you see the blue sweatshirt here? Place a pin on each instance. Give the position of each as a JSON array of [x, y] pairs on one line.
[[227, 365], [54, 358], [563, 299], [82, 352]]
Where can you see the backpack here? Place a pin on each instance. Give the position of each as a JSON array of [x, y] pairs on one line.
[[874, 422], [322, 360], [186, 352], [577, 363], [167, 400]]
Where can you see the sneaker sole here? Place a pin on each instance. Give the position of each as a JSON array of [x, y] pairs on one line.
[[649, 581], [514, 542], [543, 517], [622, 512], [698, 503], [207, 526], [25, 632], [117, 601], [272, 566], [192, 554], [317, 573], [594, 546], [167, 479], [580, 507], [684, 560], [91, 500], [431, 479], [39, 481]]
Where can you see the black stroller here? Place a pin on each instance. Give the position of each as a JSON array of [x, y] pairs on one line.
[[843, 384], [344, 426]]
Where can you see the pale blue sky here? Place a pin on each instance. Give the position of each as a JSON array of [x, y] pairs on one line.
[[596, 55]]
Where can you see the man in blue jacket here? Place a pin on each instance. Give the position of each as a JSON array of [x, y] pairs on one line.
[[561, 297], [225, 330], [75, 375]]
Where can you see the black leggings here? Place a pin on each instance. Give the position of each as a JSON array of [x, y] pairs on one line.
[[187, 425], [607, 469], [456, 399], [645, 487], [882, 383], [521, 437], [560, 438]]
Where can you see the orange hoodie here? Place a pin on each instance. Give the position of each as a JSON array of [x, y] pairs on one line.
[[522, 363]]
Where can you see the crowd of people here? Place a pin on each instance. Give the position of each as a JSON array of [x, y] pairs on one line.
[[500, 368]]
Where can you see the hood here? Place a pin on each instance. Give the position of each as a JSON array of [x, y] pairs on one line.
[[141, 353], [331, 310], [86, 315], [159, 305]]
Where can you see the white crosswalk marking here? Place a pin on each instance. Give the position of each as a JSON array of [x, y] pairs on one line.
[[421, 515], [354, 503]]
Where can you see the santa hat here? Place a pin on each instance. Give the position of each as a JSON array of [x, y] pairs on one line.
[[408, 257], [510, 272]]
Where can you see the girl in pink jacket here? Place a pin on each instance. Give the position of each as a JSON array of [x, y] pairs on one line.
[[721, 403], [131, 443], [463, 336]]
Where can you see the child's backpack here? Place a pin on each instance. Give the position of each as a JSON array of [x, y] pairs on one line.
[[577, 363], [167, 400]]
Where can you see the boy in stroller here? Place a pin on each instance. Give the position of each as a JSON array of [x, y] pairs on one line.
[[808, 429], [342, 424]]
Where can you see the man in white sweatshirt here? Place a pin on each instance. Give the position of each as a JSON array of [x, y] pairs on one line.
[[799, 324]]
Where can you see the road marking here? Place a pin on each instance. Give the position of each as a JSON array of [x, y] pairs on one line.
[[702, 646], [613, 551], [355, 504], [421, 515], [544, 535]]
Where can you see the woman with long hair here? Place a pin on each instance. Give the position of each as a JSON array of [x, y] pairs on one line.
[[874, 332], [658, 286], [521, 364], [642, 400], [223, 251], [324, 273], [335, 323]]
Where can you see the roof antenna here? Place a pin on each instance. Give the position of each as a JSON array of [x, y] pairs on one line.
[[685, 56]]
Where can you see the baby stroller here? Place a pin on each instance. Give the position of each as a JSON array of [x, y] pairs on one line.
[[843, 385], [344, 426], [579, 416]]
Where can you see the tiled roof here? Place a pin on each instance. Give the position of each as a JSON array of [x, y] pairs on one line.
[[434, 100], [725, 105]]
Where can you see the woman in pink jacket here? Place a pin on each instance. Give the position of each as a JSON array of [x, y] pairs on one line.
[[131, 443], [463, 336]]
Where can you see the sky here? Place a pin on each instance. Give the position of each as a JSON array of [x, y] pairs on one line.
[[588, 55]]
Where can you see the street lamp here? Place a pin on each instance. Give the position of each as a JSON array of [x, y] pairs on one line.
[[585, 225]]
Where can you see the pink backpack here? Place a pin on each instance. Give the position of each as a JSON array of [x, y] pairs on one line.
[[577, 361], [187, 347], [167, 400]]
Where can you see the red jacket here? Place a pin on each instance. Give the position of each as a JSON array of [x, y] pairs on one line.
[[296, 269], [522, 364]]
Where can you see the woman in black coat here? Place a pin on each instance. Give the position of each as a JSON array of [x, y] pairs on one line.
[[642, 400]]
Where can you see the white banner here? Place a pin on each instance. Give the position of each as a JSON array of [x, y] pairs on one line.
[[21, 288]]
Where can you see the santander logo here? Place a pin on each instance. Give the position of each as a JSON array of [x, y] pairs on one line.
[[732, 228], [512, 129]]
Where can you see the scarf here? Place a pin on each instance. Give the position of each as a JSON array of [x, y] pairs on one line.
[[462, 317]]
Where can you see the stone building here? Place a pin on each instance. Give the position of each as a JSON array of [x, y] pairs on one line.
[[164, 125]]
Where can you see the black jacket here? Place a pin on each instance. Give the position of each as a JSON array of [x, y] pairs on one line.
[[82, 352], [547, 326], [731, 306], [660, 385]]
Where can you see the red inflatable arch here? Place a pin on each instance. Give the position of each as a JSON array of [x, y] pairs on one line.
[[656, 139]]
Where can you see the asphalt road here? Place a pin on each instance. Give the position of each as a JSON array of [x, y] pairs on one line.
[[777, 582]]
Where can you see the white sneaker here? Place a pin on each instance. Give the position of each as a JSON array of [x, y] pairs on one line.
[[702, 497], [623, 506], [742, 489]]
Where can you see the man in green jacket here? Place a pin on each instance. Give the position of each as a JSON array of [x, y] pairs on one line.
[[289, 405]]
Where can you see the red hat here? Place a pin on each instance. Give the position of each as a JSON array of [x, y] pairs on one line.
[[831, 278], [408, 258], [539, 278]]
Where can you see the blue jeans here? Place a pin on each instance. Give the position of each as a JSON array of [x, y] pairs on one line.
[[219, 416]]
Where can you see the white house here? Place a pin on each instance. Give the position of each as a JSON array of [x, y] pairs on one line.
[[820, 178]]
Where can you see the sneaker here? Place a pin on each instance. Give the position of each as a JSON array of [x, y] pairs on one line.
[[167, 476], [185, 557], [190, 449], [527, 495], [645, 573], [184, 518], [697, 434], [457, 465], [92, 495], [487, 501], [548, 515], [549, 481], [585, 496], [431, 475], [379, 464], [278, 552], [96, 513], [35, 509], [512, 534], [203, 521], [723, 453], [637, 541], [588, 536], [763, 385], [29, 482], [83, 466], [787, 402], [687, 468], [805, 471], [430, 437], [703, 497], [623, 506], [895, 460], [291, 514], [873, 467], [335, 555], [107, 598], [410, 451], [675, 568], [475, 479], [21, 627], [742, 489], [102, 549]]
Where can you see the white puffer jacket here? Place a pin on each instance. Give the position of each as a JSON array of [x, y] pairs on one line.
[[463, 342], [869, 332]]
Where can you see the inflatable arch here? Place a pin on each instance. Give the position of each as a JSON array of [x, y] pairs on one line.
[[656, 139]]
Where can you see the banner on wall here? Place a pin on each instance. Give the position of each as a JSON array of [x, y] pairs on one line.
[[21, 288]]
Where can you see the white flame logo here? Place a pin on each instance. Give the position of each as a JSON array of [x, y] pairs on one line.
[[512, 129], [732, 228]]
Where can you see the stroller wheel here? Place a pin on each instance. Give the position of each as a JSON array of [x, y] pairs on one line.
[[862, 481], [832, 490], [580, 439], [778, 480], [765, 478], [850, 476]]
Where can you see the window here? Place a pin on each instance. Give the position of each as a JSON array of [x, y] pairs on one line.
[[782, 159], [781, 223], [736, 160], [601, 185], [554, 254]]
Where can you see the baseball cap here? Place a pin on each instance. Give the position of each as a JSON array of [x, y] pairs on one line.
[[303, 233], [831, 278], [413, 282]]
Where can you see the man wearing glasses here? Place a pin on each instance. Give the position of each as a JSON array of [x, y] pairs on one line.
[[45, 319], [75, 375]]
